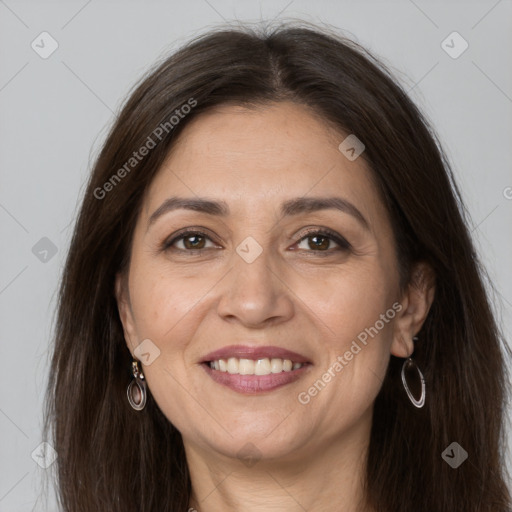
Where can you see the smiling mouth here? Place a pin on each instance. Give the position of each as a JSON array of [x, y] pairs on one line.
[[253, 369], [255, 376], [262, 366]]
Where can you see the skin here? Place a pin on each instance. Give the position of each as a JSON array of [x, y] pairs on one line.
[[309, 456]]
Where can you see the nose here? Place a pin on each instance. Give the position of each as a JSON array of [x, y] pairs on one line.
[[255, 293]]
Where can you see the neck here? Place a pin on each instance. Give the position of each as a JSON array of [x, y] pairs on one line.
[[325, 476]]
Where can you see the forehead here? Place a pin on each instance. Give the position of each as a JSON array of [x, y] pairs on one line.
[[259, 156]]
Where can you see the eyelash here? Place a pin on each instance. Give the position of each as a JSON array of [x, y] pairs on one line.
[[324, 232]]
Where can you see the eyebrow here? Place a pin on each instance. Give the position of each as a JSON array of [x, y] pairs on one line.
[[290, 207]]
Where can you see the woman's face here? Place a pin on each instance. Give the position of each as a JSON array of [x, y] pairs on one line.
[[262, 281]]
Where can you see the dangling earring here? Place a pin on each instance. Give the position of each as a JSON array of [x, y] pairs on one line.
[[408, 362], [139, 381]]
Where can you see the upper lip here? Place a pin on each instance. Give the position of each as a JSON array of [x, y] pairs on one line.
[[259, 352]]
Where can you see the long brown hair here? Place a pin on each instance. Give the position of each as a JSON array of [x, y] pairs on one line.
[[112, 458]]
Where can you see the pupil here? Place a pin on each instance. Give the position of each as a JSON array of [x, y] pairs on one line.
[[196, 238], [316, 238]]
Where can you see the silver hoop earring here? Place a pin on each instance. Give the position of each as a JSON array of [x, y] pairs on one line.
[[139, 381], [417, 403]]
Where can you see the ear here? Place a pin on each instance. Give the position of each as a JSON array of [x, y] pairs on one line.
[[125, 311], [416, 302]]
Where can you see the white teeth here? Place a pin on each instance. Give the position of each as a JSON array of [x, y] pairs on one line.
[[276, 365], [232, 365], [263, 366], [246, 367]]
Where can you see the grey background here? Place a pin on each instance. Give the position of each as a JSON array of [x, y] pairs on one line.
[[55, 112]]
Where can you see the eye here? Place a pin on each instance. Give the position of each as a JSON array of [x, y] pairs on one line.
[[192, 241], [321, 241]]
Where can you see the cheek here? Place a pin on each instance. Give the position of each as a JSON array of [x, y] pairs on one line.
[[160, 300], [358, 317], [355, 302]]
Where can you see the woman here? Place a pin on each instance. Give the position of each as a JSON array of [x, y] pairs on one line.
[[270, 233]]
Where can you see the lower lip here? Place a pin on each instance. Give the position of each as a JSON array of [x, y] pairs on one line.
[[254, 384]]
